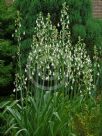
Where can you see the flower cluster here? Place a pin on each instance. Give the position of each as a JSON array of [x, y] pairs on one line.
[[53, 58]]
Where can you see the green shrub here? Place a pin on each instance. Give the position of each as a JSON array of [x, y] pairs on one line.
[[88, 120], [7, 17], [7, 51], [93, 31], [7, 48], [79, 30]]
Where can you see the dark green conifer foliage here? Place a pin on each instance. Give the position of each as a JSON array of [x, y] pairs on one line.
[[7, 49], [5, 62]]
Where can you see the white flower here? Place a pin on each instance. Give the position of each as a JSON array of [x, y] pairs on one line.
[[98, 65], [26, 79], [15, 30], [73, 80], [12, 35], [80, 92], [47, 78], [71, 87], [14, 90], [19, 24], [47, 67], [24, 33], [58, 24]]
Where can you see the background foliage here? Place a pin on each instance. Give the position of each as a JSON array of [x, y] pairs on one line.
[[7, 48]]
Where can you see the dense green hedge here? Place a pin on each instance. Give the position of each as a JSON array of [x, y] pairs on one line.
[[7, 48]]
